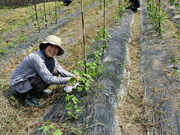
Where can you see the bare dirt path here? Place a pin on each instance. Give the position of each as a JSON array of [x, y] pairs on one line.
[[131, 112]]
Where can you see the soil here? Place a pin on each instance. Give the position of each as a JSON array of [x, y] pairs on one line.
[[130, 113], [18, 118]]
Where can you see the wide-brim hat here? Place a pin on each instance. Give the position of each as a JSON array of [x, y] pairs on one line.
[[53, 40]]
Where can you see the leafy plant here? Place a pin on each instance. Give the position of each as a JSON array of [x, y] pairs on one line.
[[2, 51], [156, 15], [72, 106], [175, 62], [44, 21], [22, 38], [54, 15], [99, 35], [92, 70], [49, 129], [11, 45], [32, 14], [171, 2], [121, 9], [36, 24], [3, 84]]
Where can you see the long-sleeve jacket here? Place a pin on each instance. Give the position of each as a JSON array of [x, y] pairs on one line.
[[32, 65]]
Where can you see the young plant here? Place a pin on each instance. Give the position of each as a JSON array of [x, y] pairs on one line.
[[49, 129], [175, 61], [87, 76], [32, 14], [54, 15], [101, 36], [122, 8], [56, 10], [156, 15], [36, 25], [2, 51], [93, 69], [171, 2], [3, 84], [72, 106], [45, 20], [11, 45]]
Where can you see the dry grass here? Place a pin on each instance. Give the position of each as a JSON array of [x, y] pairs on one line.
[[131, 112]]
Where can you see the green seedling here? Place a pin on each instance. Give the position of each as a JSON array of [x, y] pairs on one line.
[[72, 106], [49, 129], [175, 62], [156, 14]]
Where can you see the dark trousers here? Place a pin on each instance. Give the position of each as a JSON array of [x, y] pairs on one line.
[[133, 8], [38, 85], [67, 2]]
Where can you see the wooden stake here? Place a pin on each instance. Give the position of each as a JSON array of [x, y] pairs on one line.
[[36, 15], [104, 42], [56, 10], [159, 17], [83, 30], [45, 14]]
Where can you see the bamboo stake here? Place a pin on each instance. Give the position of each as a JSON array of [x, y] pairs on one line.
[[56, 10], [156, 6], [84, 42], [178, 5], [50, 12], [104, 41], [119, 3], [36, 15], [100, 5], [153, 3], [39, 6], [159, 17], [45, 14], [58, 5]]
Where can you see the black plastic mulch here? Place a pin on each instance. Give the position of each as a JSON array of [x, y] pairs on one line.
[[162, 106]]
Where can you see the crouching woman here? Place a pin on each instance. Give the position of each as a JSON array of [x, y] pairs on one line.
[[38, 71]]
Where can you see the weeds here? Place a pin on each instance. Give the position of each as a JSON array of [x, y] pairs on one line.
[[2, 51], [3, 84]]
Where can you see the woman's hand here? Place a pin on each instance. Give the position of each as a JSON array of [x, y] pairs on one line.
[[78, 78], [131, 3]]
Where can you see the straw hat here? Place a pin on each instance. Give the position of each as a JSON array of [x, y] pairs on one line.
[[53, 40]]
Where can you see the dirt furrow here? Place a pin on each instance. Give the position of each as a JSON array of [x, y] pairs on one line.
[[131, 112]]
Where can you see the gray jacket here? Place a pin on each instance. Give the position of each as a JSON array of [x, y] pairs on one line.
[[34, 64]]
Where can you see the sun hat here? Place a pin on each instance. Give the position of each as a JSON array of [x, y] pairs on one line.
[[53, 40]]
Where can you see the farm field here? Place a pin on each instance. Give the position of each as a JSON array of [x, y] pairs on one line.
[[129, 63]]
